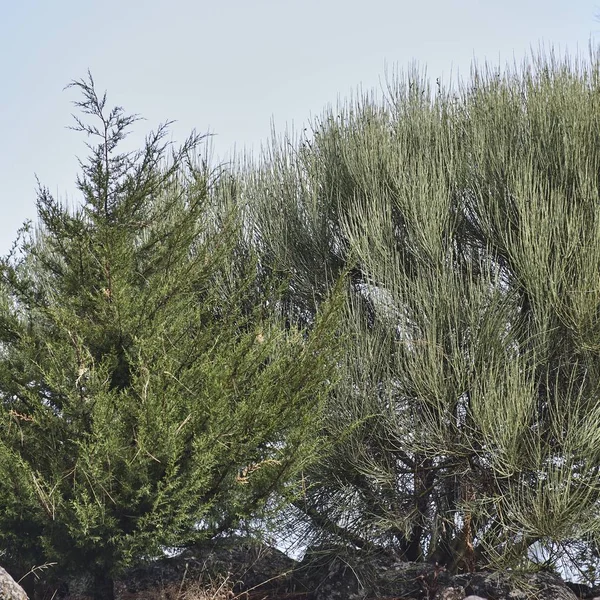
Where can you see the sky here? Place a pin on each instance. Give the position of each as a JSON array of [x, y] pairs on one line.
[[237, 69]]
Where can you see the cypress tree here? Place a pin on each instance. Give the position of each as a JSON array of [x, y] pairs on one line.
[[151, 397]]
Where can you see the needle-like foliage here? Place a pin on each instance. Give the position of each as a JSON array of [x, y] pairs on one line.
[[465, 425], [149, 396]]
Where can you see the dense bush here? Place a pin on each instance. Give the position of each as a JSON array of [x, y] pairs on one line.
[[150, 396], [175, 360], [465, 425]]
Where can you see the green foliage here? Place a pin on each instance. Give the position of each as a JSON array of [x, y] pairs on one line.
[[465, 424], [150, 396], [175, 361]]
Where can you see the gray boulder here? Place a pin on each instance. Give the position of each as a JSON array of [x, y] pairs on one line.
[[247, 564], [354, 576], [9, 588], [506, 586], [327, 574]]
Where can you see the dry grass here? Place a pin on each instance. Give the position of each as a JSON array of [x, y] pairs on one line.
[[199, 589], [209, 589], [186, 590], [193, 590]]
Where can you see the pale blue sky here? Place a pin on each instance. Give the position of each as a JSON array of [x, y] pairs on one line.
[[232, 67]]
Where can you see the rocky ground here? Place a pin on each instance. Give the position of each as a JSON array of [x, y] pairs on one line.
[[236, 568]]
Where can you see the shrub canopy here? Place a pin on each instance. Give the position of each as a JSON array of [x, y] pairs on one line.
[[465, 423], [150, 396]]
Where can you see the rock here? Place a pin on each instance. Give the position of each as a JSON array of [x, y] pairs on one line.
[[329, 574], [452, 593], [352, 575], [581, 590], [9, 588], [249, 564], [357, 576], [505, 586], [245, 563]]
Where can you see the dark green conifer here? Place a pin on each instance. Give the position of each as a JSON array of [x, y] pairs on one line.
[[150, 397]]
